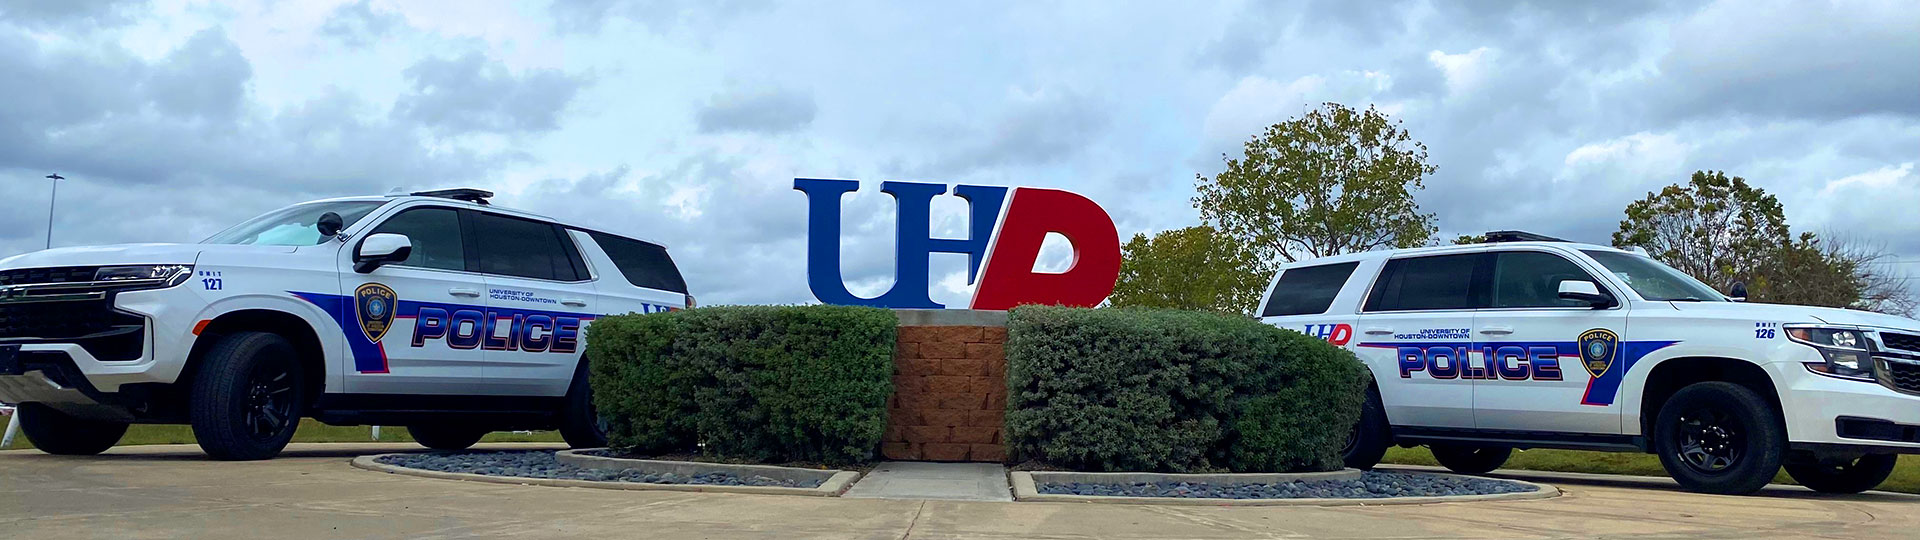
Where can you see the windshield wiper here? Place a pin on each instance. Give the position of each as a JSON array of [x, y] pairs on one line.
[[1685, 299]]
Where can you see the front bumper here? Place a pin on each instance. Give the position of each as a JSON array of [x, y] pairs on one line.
[[53, 378], [1824, 410], [143, 346]]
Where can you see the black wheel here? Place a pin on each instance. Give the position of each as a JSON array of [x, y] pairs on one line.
[[55, 432], [1369, 439], [580, 423], [1470, 459], [444, 437], [1852, 476], [1718, 437], [248, 397]]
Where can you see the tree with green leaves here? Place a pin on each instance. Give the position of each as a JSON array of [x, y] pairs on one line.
[[1192, 268], [1335, 180], [1722, 231], [1715, 228], [1467, 239]]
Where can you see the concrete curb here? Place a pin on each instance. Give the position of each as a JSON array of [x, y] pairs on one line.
[[833, 487], [1024, 490]]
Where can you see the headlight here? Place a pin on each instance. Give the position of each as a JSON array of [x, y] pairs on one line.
[[145, 275], [1846, 350]]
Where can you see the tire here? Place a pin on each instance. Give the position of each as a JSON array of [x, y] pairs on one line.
[[580, 423], [248, 397], [59, 433], [1470, 459], [1850, 477], [444, 437], [1368, 441], [1720, 437]]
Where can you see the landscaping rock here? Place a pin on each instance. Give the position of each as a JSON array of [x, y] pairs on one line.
[[1370, 485], [542, 464]]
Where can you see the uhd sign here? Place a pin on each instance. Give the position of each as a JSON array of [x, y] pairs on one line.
[[1005, 244]]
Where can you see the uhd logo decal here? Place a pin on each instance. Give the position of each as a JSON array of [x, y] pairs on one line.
[[1007, 252]]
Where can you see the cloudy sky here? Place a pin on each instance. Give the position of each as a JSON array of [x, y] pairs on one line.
[[686, 122]]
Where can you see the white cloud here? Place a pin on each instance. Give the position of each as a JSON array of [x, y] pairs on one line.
[[1465, 71], [1256, 102], [1642, 152]]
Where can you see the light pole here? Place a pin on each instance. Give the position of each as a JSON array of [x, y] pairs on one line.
[[13, 420], [56, 178]]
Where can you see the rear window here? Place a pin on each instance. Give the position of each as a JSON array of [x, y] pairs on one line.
[[522, 248], [645, 265], [1438, 282], [1307, 290]]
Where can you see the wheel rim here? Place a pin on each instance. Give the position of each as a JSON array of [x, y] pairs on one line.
[[1710, 440], [1353, 439], [269, 405]]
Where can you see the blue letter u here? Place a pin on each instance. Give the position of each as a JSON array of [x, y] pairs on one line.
[[913, 242]]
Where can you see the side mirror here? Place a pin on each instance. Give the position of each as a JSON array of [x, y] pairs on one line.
[[330, 224], [380, 249], [1739, 292], [1585, 291]]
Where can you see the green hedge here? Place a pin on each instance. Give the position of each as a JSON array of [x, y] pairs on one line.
[[1179, 391], [766, 383]]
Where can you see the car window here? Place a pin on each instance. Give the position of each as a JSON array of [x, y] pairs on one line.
[[435, 233], [294, 225], [523, 248], [1524, 279], [1654, 281], [1436, 282], [1308, 290], [645, 265]]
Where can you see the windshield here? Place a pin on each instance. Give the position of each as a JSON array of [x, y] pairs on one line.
[[1654, 281], [293, 225]]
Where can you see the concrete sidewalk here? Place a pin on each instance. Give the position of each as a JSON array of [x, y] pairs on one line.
[[914, 480], [311, 492]]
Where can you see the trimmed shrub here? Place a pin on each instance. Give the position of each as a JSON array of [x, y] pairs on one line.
[[1175, 391], [764, 383]]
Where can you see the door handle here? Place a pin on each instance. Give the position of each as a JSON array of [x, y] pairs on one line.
[[463, 291], [575, 302], [1497, 330], [1379, 331]]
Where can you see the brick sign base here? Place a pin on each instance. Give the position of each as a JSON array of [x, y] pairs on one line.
[[949, 387]]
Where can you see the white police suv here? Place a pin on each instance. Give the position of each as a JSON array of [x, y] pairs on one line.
[[433, 310], [1533, 342]]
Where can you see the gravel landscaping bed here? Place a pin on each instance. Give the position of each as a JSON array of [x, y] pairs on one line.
[[1370, 485], [542, 464]]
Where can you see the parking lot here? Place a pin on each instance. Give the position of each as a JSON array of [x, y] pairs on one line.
[[172, 491]]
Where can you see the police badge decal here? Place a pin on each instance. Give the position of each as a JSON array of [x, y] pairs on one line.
[[1598, 347], [374, 305]]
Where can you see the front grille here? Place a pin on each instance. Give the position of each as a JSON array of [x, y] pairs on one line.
[[1901, 376], [55, 320], [1905, 342], [63, 274]]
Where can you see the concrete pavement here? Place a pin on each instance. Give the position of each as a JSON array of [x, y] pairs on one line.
[[312, 492], [934, 481]]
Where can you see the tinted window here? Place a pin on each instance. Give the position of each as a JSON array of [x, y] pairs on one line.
[[1307, 291], [1532, 279], [435, 233], [645, 265], [523, 248], [1439, 282]]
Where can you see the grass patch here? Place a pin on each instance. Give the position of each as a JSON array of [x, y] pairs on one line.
[[311, 431], [1905, 479]]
